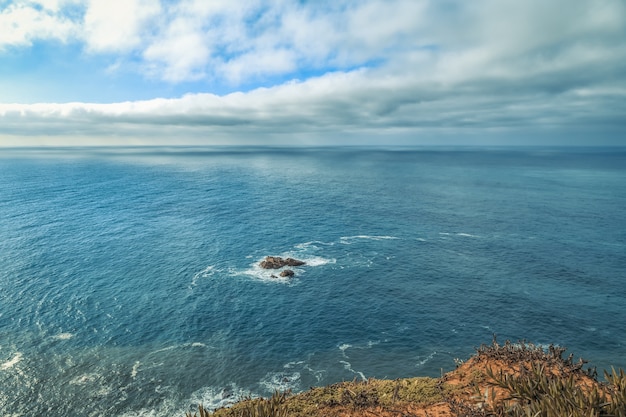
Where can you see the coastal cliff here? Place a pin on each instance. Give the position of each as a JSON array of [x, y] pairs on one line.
[[515, 380]]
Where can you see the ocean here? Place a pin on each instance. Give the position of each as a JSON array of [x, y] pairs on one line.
[[130, 285]]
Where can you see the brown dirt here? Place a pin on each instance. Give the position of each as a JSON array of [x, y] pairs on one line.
[[465, 388]]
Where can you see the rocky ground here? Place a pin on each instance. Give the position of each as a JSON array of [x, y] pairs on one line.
[[499, 380]]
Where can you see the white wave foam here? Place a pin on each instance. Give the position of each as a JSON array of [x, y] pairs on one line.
[[265, 275], [544, 346], [205, 273], [368, 345], [281, 381], [371, 343], [145, 412], [314, 244], [318, 261], [213, 398], [98, 386], [165, 349], [290, 365], [167, 408], [309, 260], [85, 379], [17, 358], [466, 235], [254, 271], [135, 370], [347, 240], [181, 346], [343, 349], [458, 234], [348, 367], [62, 336], [425, 360], [318, 374], [304, 366]]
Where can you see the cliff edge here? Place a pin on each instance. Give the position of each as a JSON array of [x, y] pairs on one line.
[[512, 379]]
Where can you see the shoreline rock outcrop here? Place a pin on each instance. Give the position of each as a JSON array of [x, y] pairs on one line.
[[493, 382], [276, 262]]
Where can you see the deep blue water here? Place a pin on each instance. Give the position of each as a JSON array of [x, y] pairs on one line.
[[129, 285]]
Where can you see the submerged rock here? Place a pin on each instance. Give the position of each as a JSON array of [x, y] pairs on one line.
[[276, 262], [287, 273]]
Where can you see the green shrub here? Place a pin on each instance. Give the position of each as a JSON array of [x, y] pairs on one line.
[[538, 393]]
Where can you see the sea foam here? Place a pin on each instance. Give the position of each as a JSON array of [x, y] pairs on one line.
[[205, 273], [427, 359], [12, 362], [347, 366], [62, 336], [255, 271], [347, 240], [213, 398], [281, 381]]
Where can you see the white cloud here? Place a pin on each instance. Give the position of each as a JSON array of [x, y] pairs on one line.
[[360, 102], [385, 28], [180, 56], [22, 23], [389, 66], [243, 41], [259, 62], [118, 25]]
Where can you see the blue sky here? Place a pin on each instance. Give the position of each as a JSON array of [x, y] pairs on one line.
[[494, 72]]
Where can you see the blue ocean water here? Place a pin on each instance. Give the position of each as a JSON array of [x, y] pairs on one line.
[[129, 283]]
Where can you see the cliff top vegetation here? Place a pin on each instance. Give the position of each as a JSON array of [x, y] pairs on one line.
[[501, 380]]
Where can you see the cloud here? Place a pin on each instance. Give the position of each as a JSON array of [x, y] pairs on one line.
[[188, 40], [239, 42], [118, 25], [334, 104], [395, 67], [23, 22], [170, 58]]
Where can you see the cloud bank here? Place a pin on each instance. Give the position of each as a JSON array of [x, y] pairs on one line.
[[382, 69]]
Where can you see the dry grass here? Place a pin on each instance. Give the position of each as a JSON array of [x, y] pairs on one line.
[[508, 380], [343, 398]]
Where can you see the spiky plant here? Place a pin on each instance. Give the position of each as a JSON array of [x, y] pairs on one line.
[[272, 407], [538, 393], [203, 412]]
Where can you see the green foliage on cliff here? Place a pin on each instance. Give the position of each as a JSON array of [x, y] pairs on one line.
[[539, 393], [509, 380], [535, 382], [355, 395]]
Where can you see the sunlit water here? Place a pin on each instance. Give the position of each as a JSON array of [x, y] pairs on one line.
[[129, 283]]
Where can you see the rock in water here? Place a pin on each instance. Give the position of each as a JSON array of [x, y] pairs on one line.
[[276, 262], [271, 262], [293, 262], [287, 273]]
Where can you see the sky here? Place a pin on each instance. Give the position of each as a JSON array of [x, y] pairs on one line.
[[298, 72]]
